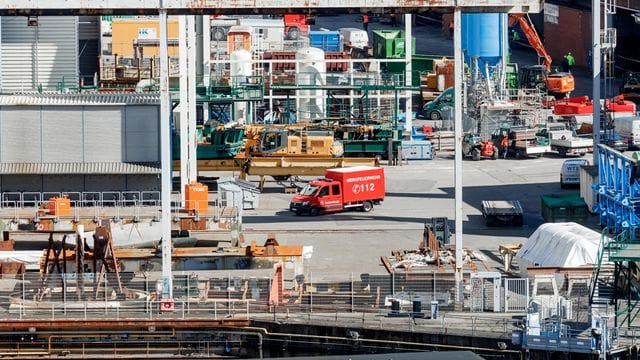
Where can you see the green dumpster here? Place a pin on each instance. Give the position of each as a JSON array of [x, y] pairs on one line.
[[390, 44], [564, 208]]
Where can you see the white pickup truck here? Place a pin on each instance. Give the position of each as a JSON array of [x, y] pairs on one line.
[[565, 142]]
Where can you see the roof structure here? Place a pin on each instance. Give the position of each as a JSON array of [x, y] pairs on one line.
[[199, 7], [116, 168], [37, 99]]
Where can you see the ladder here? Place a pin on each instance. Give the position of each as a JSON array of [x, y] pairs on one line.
[[608, 36]]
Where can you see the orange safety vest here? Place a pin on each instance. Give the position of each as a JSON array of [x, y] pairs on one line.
[[365, 19]]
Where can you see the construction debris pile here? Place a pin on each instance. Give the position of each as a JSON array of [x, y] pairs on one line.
[[430, 253]]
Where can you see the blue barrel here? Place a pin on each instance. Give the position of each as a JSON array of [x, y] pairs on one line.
[[484, 37]]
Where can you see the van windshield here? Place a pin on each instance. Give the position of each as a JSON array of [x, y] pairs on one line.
[[308, 190]]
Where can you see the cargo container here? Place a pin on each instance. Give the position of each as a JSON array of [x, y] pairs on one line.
[[328, 41], [564, 208], [358, 187]]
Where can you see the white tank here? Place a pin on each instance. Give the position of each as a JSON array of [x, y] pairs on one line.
[[311, 70], [241, 68]]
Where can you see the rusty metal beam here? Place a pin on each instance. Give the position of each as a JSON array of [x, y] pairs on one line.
[[195, 7], [58, 325]]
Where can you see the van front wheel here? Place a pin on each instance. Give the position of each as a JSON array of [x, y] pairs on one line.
[[314, 211], [367, 206]]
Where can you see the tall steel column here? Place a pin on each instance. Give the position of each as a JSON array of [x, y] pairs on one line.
[[184, 105], [165, 155], [595, 59], [191, 64], [408, 55], [457, 116], [206, 61]]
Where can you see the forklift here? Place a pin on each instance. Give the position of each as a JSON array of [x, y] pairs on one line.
[[475, 148]]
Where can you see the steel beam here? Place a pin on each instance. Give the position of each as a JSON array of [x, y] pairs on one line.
[[457, 127], [57, 325], [165, 155], [184, 106], [196, 7], [596, 62], [408, 108], [192, 173]]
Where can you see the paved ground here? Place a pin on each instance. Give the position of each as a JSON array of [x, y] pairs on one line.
[[353, 241]]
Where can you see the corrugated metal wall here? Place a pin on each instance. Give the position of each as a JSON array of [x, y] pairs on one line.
[[142, 133], [50, 134], [20, 135], [60, 183], [44, 54], [78, 183], [103, 133], [143, 182], [20, 183], [61, 133]]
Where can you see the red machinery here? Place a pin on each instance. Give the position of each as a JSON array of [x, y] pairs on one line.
[[558, 83]]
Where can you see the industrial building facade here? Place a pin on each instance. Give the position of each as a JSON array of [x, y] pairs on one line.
[[66, 142]]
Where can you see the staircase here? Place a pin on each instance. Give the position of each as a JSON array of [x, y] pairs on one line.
[[602, 287]]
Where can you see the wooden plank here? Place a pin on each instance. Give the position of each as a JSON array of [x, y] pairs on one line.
[[387, 264]]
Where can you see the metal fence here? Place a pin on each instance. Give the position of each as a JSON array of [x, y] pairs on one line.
[[247, 294]]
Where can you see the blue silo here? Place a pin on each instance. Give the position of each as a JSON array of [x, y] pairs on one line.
[[484, 36]]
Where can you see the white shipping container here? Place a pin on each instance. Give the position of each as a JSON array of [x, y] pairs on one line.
[[588, 177]]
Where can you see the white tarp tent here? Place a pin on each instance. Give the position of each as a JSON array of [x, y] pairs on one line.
[[30, 258], [560, 245]]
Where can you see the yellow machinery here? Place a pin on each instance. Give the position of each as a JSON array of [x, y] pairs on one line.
[[295, 141]]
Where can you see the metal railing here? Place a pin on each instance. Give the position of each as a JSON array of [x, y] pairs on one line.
[[363, 299], [117, 205]]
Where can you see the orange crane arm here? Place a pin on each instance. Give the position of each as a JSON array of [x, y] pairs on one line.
[[532, 36]]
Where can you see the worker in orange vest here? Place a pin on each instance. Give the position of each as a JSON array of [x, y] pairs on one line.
[[365, 22], [504, 144]]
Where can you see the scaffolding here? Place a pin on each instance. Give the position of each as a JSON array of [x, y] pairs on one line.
[[618, 188]]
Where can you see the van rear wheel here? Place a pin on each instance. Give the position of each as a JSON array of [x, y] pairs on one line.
[[562, 152], [367, 206]]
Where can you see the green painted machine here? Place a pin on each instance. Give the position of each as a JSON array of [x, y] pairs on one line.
[[213, 143]]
